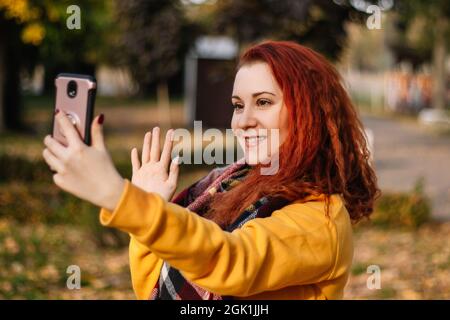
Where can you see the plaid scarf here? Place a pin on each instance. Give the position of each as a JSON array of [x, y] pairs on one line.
[[171, 285]]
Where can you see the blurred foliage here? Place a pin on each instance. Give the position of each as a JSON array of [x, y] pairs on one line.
[[22, 169], [150, 37], [77, 50], [414, 263], [154, 38], [415, 21], [28, 195], [403, 209], [23, 12], [32, 260], [36, 33], [319, 24], [43, 24]]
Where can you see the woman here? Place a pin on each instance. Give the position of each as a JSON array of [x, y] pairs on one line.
[[237, 233]]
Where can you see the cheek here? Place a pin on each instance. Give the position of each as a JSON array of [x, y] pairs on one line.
[[233, 122], [234, 128], [278, 136], [283, 134], [276, 123]]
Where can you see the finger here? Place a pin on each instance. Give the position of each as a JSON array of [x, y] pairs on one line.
[[155, 148], [58, 180], [135, 160], [54, 163], [167, 149], [98, 140], [55, 147], [146, 147], [174, 170], [68, 129]]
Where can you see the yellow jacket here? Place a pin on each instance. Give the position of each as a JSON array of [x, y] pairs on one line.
[[296, 253]]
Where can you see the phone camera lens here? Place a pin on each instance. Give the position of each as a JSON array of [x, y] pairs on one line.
[[72, 89]]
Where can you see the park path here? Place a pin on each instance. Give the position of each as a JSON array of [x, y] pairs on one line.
[[405, 152]]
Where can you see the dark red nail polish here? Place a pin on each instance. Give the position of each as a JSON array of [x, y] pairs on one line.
[[56, 111], [101, 119]]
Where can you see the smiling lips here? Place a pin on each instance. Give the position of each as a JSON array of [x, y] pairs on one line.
[[254, 141]]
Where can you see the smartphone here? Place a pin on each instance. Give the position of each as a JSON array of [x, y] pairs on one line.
[[75, 95]]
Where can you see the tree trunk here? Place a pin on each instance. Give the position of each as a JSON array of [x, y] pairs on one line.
[[12, 58], [163, 102], [2, 81], [439, 67]]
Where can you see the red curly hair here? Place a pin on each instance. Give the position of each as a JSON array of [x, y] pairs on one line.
[[325, 151]]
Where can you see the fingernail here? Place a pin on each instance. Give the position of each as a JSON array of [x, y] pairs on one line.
[[101, 119], [176, 160], [56, 111]]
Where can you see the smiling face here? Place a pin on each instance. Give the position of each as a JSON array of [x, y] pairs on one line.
[[260, 117]]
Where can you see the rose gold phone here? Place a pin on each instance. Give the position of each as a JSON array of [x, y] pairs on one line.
[[75, 95]]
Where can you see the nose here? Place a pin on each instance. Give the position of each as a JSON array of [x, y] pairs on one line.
[[247, 119]]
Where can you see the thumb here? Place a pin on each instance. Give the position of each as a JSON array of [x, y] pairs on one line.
[[97, 132]]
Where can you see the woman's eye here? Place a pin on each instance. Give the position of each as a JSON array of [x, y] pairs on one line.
[[264, 103], [237, 106]]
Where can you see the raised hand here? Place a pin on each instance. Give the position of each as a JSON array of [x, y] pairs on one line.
[[156, 172]]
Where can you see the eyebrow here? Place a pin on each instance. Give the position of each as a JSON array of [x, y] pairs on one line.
[[255, 94]]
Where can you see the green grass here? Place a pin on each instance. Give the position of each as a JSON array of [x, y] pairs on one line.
[[403, 209], [32, 260], [387, 293], [359, 268]]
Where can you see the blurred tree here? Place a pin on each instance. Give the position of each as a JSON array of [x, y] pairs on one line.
[[425, 36], [75, 50], [18, 33], [319, 24], [154, 38], [36, 30]]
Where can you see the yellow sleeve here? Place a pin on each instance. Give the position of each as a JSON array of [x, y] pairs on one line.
[[145, 267], [296, 245]]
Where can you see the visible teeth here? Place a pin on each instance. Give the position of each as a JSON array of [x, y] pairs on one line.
[[254, 140]]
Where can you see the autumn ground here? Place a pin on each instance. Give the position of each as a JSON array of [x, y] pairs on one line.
[[43, 231]]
